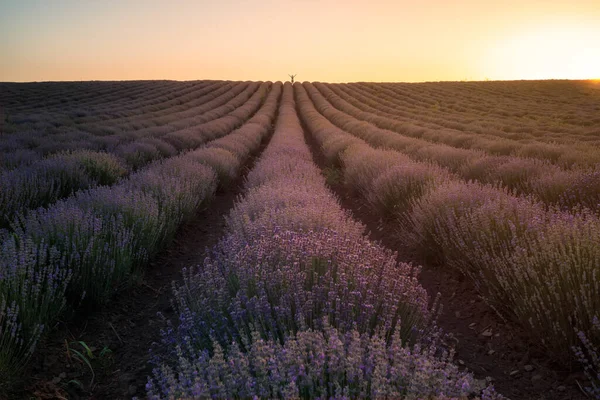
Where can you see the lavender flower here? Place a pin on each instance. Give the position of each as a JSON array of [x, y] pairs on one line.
[[315, 364]]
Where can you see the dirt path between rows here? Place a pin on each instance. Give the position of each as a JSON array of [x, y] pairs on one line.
[[485, 344], [129, 325]]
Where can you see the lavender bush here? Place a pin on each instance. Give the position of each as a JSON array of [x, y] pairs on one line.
[[102, 168], [34, 277], [137, 211], [553, 280], [39, 185], [397, 187], [179, 184], [51, 179], [95, 249], [225, 164], [280, 205], [138, 154], [583, 190], [423, 224], [538, 266], [164, 148], [19, 157], [388, 180], [33, 282]]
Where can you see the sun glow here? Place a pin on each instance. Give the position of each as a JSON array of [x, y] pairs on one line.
[[550, 52], [378, 40]]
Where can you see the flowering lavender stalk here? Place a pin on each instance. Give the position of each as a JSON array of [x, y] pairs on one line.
[[319, 364], [35, 277], [96, 250], [33, 281], [17, 346], [287, 282], [589, 356]]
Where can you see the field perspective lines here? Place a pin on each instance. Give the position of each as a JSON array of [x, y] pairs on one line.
[[229, 239]]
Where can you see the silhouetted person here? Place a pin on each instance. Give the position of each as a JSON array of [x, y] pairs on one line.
[[292, 76]]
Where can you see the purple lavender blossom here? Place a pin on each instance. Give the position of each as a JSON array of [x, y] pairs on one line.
[[323, 364]]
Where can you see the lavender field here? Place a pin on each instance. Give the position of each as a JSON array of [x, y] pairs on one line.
[[418, 241]]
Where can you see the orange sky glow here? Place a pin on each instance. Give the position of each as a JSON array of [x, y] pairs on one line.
[[333, 41]]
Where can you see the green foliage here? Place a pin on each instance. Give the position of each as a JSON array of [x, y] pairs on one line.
[[333, 175]]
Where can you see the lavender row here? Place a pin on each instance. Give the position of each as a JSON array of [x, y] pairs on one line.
[[295, 302], [46, 181], [85, 248], [536, 265], [150, 144], [551, 111], [450, 111], [429, 128], [33, 132], [24, 97], [32, 144], [27, 139], [565, 156], [43, 116], [116, 104], [554, 186], [55, 177], [152, 100], [201, 101]]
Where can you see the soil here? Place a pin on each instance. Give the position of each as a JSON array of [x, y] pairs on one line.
[[508, 358], [129, 325]]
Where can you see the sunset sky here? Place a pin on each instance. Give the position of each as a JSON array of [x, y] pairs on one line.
[[334, 41]]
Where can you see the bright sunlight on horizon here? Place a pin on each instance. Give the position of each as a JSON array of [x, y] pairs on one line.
[[327, 40]]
